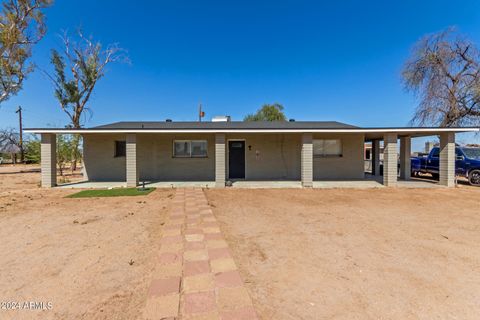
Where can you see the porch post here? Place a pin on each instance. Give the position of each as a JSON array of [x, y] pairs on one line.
[[390, 162], [220, 160], [447, 159], [405, 158], [376, 157], [307, 160], [48, 155], [131, 155]]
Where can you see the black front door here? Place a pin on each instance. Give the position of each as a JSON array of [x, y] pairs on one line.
[[236, 159]]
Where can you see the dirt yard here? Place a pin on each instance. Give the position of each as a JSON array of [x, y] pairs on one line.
[[356, 254], [91, 258], [304, 254]]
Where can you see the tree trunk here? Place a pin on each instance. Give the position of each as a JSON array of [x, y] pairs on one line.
[[73, 166], [76, 142]]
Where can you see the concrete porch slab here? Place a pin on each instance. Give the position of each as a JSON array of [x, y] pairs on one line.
[[119, 184], [181, 184], [369, 182], [266, 184], [93, 185]]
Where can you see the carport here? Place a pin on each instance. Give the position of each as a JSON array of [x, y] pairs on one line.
[[403, 136]]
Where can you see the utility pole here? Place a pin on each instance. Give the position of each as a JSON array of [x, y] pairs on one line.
[[19, 111], [201, 114]]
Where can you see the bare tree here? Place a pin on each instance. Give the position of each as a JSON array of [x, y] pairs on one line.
[[10, 142], [9, 137], [443, 71], [77, 70], [22, 25]]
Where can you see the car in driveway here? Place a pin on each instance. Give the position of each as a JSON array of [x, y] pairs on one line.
[[467, 164]]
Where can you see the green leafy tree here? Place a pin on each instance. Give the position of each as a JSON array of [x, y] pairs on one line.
[[78, 68], [66, 148], [32, 150], [444, 72], [22, 25], [268, 112]]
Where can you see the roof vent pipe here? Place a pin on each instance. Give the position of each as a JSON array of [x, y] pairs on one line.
[[221, 119]]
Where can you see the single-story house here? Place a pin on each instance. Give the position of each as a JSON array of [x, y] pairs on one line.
[[224, 151]]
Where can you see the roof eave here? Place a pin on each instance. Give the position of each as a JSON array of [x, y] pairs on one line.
[[280, 130]]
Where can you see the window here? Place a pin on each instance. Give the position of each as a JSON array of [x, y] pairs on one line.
[[327, 148], [472, 153], [190, 149], [120, 149], [435, 152], [181, 149], [199, 149]]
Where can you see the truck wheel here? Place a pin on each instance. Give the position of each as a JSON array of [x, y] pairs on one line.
[[474, 177], [435, 176]]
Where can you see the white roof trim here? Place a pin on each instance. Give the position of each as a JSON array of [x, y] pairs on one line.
[[359, 130]]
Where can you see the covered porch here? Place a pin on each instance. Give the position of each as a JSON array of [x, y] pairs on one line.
[[301, 173]]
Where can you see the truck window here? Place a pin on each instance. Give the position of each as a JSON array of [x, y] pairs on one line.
[[435, 152], [472, 153], [458, 152]]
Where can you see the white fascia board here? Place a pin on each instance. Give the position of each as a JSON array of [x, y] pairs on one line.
[[373, 130]]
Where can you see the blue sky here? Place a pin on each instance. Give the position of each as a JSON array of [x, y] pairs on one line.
[[322, 60]]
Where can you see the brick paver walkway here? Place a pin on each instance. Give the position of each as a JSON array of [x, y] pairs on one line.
[[196, 277]]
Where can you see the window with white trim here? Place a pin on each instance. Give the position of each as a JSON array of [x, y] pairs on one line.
[[327, 148], [190, 148]]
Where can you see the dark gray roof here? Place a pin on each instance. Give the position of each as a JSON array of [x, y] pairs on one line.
[[235, 125]]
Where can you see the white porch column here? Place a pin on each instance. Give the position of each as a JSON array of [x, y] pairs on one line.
[[376, 158], [307, 160], [447, 159], [131, 155], [220, 168], [48, 156], [390, 162], [405, 158]]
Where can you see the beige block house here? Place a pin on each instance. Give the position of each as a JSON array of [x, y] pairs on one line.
[[133, 152]]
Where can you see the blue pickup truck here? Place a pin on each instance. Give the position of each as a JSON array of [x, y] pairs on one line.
[[467, 164]]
